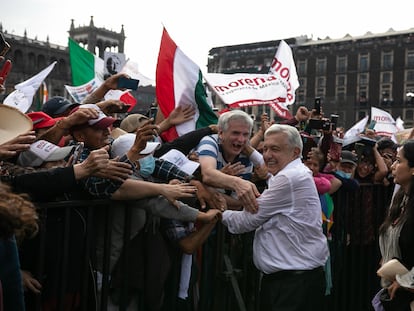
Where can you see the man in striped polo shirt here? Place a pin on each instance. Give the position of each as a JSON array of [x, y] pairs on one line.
[[219, 150]]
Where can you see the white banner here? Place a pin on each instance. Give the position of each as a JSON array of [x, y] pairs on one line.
[[79, 93], [276, 89], [384, 122], [245, 89]]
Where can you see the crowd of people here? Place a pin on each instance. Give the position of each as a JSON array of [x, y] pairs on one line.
[[277, 181]]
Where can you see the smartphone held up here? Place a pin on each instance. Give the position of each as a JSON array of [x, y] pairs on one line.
[[128, 83]]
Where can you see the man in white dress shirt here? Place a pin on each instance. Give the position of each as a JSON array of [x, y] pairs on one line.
[[289, 246]]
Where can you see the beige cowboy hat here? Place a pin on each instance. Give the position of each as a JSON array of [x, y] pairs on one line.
[[13, 122]]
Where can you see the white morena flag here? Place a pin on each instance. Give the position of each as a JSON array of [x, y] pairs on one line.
[[276, 89], [22, 97], [384, 123], [284, 67], [353, 134], [246, 89]]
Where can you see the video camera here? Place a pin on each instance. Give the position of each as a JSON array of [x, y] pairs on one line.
[[324, 124]]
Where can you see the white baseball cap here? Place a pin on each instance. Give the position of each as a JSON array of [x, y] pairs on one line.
[[43, 151], [123, 143]]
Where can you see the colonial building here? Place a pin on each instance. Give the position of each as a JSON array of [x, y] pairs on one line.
[[30, 56], [350, 75]]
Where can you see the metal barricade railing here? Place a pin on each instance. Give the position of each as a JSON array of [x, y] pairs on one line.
[[65, 258]]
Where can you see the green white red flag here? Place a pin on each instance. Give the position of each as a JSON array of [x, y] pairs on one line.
[[85, 66], [179, 82]]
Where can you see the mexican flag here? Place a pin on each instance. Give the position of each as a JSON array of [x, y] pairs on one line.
[[85, 66], [179, 82]]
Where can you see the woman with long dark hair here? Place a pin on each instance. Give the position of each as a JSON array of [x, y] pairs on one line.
[[397, 231]]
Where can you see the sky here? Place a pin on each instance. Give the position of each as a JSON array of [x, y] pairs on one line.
[[198, 26]]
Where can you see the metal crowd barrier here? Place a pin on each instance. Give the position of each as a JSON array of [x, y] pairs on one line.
[[64, 257]]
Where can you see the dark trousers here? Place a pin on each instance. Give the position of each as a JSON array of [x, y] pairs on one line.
[[293, 290]]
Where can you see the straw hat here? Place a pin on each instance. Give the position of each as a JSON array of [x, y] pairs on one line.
[[13, 122]]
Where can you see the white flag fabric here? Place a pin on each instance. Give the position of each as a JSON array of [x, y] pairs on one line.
[[131, 69], [22, 97], [276, 89], [384, 122], [283, 66], [245, 89], [353, 134], [79, 93], [399, 123]]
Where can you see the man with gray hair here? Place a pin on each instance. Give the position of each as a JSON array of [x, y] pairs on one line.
[[224, 149], [289, 247]]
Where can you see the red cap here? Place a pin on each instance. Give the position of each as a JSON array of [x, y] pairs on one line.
[[41, 120]]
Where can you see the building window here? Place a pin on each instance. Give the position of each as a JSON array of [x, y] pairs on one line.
[[408, 118], [302, 83], [301, 96], [386, 94], [268, 62], [363, 79], [320, 66], [250, 63], [302, 66], [363, 94], [341, 64], [340, 93], [340, 80], [233, 65], [363, 62], [410, 58], [386, 77], [409, 76], [409, 93], [320, 87], [320, 82], [41, 61], [301, 91], [31, 61], [387, 60]]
